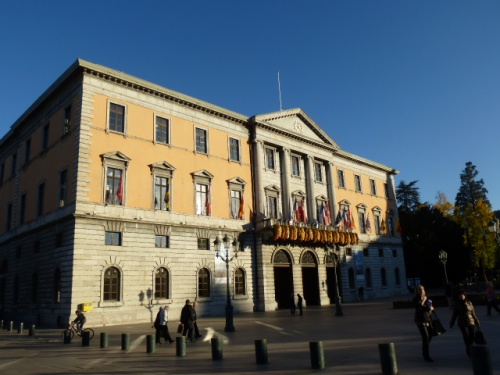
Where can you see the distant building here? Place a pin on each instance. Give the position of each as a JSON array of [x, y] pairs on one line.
[[113, 191]]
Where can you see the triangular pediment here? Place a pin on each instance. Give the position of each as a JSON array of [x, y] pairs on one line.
[[296, 123]]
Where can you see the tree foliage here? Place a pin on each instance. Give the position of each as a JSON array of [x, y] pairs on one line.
[[471, 190], [408, 196]]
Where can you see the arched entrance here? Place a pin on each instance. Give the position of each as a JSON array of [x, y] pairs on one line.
[[310, 279], [331, 281], [283, 279]]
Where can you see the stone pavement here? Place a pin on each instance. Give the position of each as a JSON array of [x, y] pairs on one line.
[[350, 345]]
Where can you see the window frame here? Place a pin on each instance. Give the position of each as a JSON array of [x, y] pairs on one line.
[[357, 183], [111, 117], [167, 133], [295, 165], [118, 286], [272, 194], [45, 137], [234, 149], [270, 158], [204, 285], [160, 171], [113, 238], [240, 284], [199, 146], [318, 172], [161, 289], [67, 120], [373, 186], [236, 186], [40, 204], [202, 199], [115, 160], [341, 178], [63, 188], [162, 241]]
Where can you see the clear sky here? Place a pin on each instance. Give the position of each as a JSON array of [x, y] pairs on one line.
[[414, 85]]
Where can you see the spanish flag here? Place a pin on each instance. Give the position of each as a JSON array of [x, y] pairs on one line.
[[166, 198], [241, 211]]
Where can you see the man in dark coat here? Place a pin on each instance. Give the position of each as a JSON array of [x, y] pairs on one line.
[[187, 319]]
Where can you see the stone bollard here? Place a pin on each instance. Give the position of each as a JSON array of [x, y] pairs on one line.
[[481, 360], [85, 338], [32, 330], [388, 358], [67, 336], [180, 346], [261, 352], [125, 341], [150, 344], [20, 328], [104, 340], [216, 348], [317, 355], [11, 326]]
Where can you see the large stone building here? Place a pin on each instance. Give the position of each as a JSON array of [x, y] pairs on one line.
[[114, 190]]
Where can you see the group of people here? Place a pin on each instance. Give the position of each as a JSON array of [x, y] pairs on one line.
[[463, 314], [188, 320]]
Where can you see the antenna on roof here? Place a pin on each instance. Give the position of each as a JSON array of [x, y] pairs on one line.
[[279, 89]]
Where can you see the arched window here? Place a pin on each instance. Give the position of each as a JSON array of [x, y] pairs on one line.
[[112, 284], [397, 278], [383, 277], [57, 285], [204, 283], [351, 278], [161, 283], [368, 277], [239, 282]]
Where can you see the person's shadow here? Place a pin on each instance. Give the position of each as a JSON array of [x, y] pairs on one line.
[[146, 300]]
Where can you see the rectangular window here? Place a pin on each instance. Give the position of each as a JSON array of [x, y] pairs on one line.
[[234, 149], [362, 221], [318, 175], [381, 252], [201, 141], [13, 167], [357, 182], [295, 165], [373, 187], [366, 252], [113, 239], [162, 241], [63, 188], [162, 130], [41, 197], [117, 118], [390, 226], [386, 189], [162, 193], [36, 247], [272, 206], [235, 204], [22, 212], [45, 137], [394, 253], [8, 223], [270, 164], [27, 151], [340, 176], [202, 200], [239, 282], [67, 120], [114, 186], [203, 244], [376, 222]]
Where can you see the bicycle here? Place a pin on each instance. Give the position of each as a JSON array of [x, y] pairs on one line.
[[72, 329]]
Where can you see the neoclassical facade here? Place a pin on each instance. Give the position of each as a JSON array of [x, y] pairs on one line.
[[114, 190]]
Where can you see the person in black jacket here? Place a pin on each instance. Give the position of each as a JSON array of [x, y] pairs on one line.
[[423, 319], [80, 320], [187, 319], [467, 319]]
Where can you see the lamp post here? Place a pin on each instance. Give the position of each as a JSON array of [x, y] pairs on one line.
[[443, 257], [335, 257], [220, 247]]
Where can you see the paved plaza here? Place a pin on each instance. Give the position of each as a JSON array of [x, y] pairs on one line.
[[350, 345]]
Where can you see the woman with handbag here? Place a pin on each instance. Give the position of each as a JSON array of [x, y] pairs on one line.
[[467, 319], [423, 319]]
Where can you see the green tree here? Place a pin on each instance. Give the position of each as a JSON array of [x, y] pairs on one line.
[[471, 190], [408, 197]]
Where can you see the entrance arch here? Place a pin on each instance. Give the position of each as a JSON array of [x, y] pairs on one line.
[[310, 278], [283, 279]]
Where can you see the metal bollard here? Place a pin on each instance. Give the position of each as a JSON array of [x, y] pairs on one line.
[[481, 360], [180, 346], [261, 352], [388, 358], [216, 348], [104, 339], [125, 341], [20, 328], [32, 330], [11, 326], [85, 338], [67, 336], [150, 344], [317, 355]]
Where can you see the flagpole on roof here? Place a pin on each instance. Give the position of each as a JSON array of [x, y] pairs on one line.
[[279, 90]]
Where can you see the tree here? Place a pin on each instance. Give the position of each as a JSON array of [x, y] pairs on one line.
[[444, 205], [471, 190], [408, 197]]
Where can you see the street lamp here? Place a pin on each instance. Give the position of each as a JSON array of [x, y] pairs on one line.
[[219, 247], [335, 257], [443, 257]]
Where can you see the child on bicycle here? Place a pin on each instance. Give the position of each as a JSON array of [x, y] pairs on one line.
[[79, 321]]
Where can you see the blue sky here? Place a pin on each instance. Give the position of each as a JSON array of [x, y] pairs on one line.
[[414, 85]]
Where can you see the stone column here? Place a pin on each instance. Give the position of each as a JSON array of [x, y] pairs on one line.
[[311, 205], [285, 182], [258, 166], [331, 190]]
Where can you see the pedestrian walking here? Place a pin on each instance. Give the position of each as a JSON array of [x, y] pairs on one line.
[[299, 304], [187, 319], [423, 319], [164, 325], [463, 310], [195, 322], [491, 299]]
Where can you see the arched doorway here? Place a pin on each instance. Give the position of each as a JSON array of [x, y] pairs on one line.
[[331, 281], [283, 279], [310, 279]]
